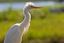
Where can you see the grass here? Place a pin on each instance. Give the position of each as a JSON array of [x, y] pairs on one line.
[[44, 24]]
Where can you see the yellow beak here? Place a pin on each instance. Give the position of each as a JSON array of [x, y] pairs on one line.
[[36, 7]]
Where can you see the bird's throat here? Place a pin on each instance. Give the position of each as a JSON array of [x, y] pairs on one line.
[[27, 19]]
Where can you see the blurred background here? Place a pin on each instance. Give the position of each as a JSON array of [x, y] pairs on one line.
[[47, 25]]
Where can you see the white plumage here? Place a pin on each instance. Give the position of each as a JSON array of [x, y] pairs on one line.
[[15, 33]]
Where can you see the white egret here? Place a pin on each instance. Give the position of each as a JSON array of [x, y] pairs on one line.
[[15, 33]]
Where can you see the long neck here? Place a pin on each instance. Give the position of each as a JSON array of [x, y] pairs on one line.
[[27, 19], [24, 25], [27, 16]]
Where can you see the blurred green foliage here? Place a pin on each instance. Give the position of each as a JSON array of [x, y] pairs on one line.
[[27, 0], [44, 24]]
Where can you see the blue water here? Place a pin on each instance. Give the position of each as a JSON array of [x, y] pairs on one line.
[[4, 6]]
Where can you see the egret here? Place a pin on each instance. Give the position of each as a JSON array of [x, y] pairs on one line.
[[15, 33]]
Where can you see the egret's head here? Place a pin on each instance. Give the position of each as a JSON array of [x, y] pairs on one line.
[[30, 5]]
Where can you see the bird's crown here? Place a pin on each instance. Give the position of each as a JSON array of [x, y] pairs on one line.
[[29, 4]]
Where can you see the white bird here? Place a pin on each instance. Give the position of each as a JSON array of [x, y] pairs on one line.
[[15, 33]]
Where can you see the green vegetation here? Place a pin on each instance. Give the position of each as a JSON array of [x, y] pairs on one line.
[[20, 0], [28, 0], [44, 24]]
